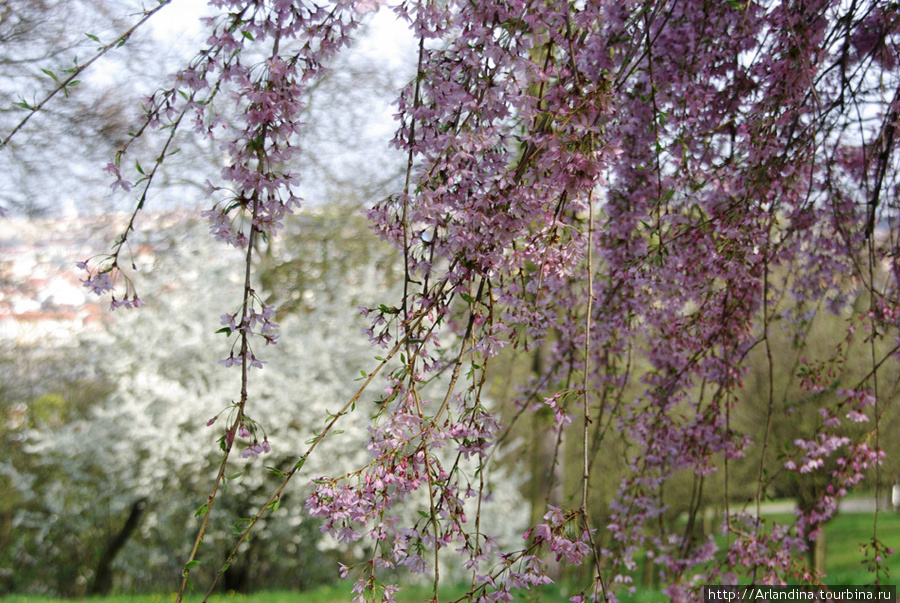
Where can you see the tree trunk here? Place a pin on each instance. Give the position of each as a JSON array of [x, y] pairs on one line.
[[237, 578], [816, 553], [102, 583]]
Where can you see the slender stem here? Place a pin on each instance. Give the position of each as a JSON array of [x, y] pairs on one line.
[[873, 310], [245, 350], [770, 394], [239, 417], [585, 434], [79, 69], [404, 218]]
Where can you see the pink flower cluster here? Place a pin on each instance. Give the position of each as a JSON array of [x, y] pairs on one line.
[[556, 535], [259, 322], [101, 279]]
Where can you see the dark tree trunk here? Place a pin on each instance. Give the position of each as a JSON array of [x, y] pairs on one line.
[[816, 553], [237, 578], [807, 498], [102, 583]]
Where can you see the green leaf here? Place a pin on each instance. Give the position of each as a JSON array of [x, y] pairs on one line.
[[238, 528], [259, 142], [201, 510], [51, 74], [93, 37], [248, 35], [137, 166], [467, 298], [192, 564]]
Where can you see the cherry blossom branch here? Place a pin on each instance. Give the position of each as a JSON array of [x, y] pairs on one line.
[[272, 502], [239, 415]]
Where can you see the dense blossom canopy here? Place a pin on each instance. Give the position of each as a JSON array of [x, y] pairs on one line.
[[636, 191]]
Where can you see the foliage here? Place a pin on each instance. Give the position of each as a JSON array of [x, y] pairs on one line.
[[642, 192]]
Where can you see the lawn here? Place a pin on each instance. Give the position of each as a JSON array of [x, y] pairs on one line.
[[844, 537]]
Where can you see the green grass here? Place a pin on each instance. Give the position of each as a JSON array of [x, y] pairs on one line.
[[843, 538], [846, 534]]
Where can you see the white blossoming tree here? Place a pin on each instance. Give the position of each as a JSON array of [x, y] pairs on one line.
[[128, 473]]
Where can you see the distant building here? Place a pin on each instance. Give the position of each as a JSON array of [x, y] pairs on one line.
[[43, 301]]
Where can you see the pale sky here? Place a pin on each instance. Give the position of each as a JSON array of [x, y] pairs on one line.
[[179, 25], [178, 34]]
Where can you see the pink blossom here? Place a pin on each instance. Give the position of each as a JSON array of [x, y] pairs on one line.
[[113, 169]]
